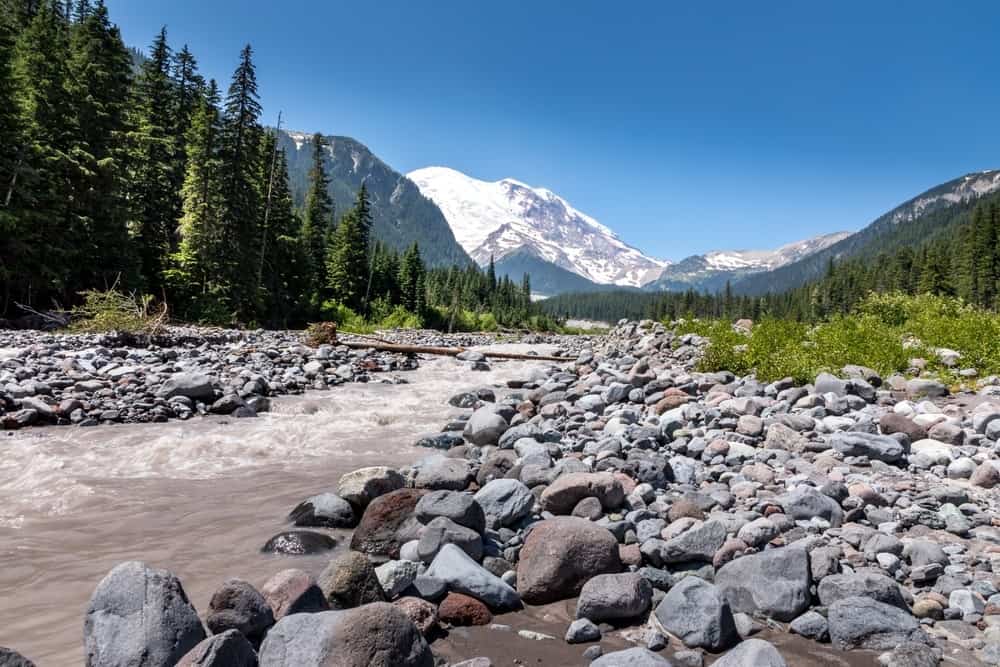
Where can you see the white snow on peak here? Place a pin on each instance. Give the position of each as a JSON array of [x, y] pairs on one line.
[[971, 186], [765, 260], [497, 218]]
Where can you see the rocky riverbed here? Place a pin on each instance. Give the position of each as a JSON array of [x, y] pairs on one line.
[[616, 509]]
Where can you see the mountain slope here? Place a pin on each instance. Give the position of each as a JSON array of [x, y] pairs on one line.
[[926, 216], [711, 271], [495, 219], [547, 279], [401, 215]]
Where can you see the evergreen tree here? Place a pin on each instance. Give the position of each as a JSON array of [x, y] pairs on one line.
[[317, 225], [241, 213], [411, 280], [347, 257]]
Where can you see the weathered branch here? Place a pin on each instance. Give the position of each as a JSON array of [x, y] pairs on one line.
[[445, 351]]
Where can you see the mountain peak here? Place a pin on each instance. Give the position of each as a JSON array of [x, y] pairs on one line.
[[494, 219]]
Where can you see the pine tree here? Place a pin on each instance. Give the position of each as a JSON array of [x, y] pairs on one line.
[[491, 275], [317, 225], [12, 154], [241, 215], [347, 257], [411, 280]]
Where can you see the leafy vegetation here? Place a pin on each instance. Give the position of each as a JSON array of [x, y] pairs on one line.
[[884, 332]]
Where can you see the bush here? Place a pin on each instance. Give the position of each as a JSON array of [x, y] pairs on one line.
[[114, 311]]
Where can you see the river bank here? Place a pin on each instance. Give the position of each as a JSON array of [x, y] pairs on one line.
[[625, 501]]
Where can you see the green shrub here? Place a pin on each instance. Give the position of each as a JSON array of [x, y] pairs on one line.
[[113, 311]]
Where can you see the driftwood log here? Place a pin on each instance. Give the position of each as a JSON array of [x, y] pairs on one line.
[[445, 351]]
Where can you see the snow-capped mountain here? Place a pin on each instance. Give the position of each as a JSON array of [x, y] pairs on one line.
[[966, 188], [498, 218], [712, 270]]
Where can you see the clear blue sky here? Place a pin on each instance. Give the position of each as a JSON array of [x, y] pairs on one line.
[[683, 126]]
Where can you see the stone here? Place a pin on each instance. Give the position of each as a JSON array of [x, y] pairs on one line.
[[440, 472], [609, 597], [461, 508], [631, 657], [237, 605], [349, 580], [293, 591], [559, 555], [441, 531], [695, 544], [588, 508], [460, 610], [751, 653], [773, 583], [326, 509], [986, 475], [806, 502], [567, 490], [196, 386], [461, 574], [758, 532], [299, 543], [422, 613], [910, 655], [374, 635], [388, 523], [860, 584], [811, 625], [875, 447], [826, 383], [862, 622], [696, 612], [11, 658], [362, 486], [228, 649], [923, 388], [892, 422], [139, 616], [396, 576], [582, 630], [485, 427]]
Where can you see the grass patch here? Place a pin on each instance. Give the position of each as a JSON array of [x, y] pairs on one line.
[[884, 333]]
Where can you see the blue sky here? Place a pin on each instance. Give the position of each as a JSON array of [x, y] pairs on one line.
[[685, 127]]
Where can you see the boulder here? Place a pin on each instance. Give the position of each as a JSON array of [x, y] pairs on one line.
[[196, 386], [327, 510], [485, 427], [609, 597], [443, 530], [505, 502], [293, 592], [805, 502], [421, 612], [362, 486], [461, 610], [299, 543], [373, 635], [139, 616], [861, 622], [751, 653], [396, 576], [228, 649], [773, 583], [237, 605], [695, 612], [698, 543], [440, 472], [892, 422], [11, 658], [461, 574], [459, 507], [349, 580], [388, 523], [636, 656], [860, 584], [567, 490], [559, 555], [875, 447]]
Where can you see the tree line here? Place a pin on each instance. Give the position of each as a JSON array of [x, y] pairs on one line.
[[141, 175]]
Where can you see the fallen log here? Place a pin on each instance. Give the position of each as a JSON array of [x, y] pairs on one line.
[[444, 351]]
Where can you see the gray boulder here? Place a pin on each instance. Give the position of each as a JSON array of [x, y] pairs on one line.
[[773, 583], [139, 617], [237, 605], [876, 447], [860, 584], [461, 574], [374, 635], [861, 622], [695, 544], [325, 509], [459, 507], [751, 653], [485, 427], [360, 487], [696, 613], [505, 502], [196, 386], [228, 649], [631, 657], [609, 597], [441, 531], [806, 502]]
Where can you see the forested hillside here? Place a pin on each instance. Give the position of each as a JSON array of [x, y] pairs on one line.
[[133, 172]]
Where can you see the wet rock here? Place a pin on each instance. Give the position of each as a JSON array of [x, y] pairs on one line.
[[349, 580], [388, 523], [461, 574], [696, 613], [293, 592], [458, 609], [609, 597], [228, 649], [326, 510], [11, 658], [237, 605], [374, 635], [299, 543], [773, 583], [862, 622], [139, 616], [559, 555]]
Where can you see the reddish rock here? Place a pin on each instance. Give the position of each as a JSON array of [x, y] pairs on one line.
[[459, 609], [630, 554], [560, 555], [293, 591], [684, 508], [388, 523], [423, 613], [672, 398], [563, 494], [729, 550]]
